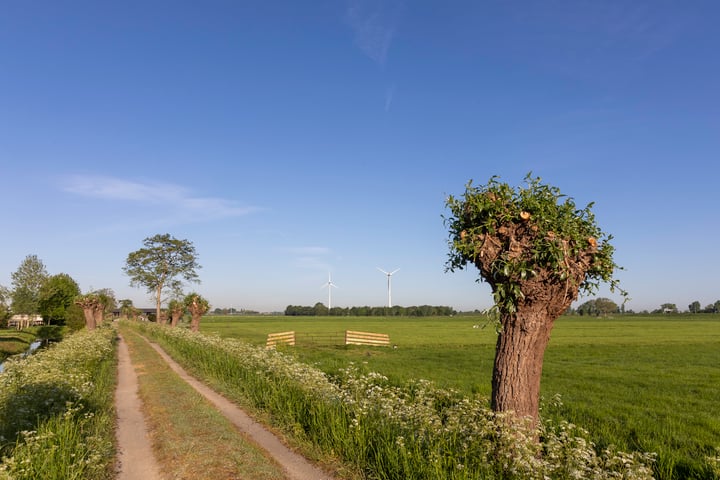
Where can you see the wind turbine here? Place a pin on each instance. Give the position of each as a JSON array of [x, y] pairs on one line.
[[330, 285], [389, 275]]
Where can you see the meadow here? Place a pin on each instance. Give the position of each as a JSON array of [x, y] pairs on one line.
[[370, 428], [640, 383]]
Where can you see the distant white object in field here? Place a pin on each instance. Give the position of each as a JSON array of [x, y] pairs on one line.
[[389, 274], [330, 285]]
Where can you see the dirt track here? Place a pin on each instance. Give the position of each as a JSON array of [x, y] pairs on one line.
[[135, 458], [135, 453]]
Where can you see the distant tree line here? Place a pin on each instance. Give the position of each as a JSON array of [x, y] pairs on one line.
[[694, 307], [604, 306], [320, 309], [597, 307], [234, 311]]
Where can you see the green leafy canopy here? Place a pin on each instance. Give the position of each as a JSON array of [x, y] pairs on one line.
[[160, 262], [515, 235]]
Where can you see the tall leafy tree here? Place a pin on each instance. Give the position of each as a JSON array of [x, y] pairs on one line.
[[537, 251], [57, 296], [694, 307], [161, 264], [27, 281], [605, 306], [587, 308]]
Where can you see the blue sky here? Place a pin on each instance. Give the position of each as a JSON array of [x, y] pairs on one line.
[[291, 139]]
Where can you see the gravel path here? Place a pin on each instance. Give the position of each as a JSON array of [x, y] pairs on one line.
[[135, 453]]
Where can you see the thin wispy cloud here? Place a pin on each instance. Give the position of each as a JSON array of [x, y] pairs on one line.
[[311, 258], [178, 202], [373, 22]]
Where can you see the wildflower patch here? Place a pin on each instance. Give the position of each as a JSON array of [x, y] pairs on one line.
[[56, 417]]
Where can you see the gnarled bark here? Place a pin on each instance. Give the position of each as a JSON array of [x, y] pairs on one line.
[[525, 332], [518, 363]]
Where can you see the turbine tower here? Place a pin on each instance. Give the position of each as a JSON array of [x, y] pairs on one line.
[[330, 285], [389, 275]]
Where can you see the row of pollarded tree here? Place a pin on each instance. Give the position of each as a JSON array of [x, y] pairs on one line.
[[94, 305], [194, 304]]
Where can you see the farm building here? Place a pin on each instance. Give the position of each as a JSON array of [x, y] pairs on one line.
[[144, 313], [23, 320]]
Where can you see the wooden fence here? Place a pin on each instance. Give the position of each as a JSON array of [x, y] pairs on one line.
[[366, 338], [349, 337], [286, 338]]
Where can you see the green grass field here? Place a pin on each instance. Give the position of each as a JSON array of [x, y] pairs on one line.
[[645, 383]]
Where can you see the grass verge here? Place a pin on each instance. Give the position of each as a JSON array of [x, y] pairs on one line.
[[57, 411]]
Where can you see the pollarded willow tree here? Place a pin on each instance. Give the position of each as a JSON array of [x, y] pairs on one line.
[[176, 309], [537, 251], [158, 265], [197, 306], [90, 304]]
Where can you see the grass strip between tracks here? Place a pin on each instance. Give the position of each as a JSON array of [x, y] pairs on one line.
[[191, 439]]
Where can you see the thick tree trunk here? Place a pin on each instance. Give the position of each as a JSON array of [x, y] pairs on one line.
[[89, 313], [518, 363], [175, 318], [99, 313], [195, 322]]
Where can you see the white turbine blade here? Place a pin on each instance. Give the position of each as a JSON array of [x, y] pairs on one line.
[[393, 272], [383, 271]]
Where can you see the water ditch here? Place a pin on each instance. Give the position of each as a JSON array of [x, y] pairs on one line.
[[31, 349]]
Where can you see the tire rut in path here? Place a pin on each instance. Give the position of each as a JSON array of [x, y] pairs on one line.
[[295, 465], [135, 457]]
